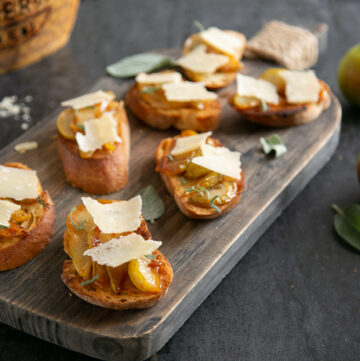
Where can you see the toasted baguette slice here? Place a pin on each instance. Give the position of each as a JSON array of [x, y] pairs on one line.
[[226, 74], [130, 296], [161, 116], [19, 245], [175, 186], [104, 172], [285, 114]]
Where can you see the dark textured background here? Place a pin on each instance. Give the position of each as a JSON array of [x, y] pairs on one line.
[[295, 295]]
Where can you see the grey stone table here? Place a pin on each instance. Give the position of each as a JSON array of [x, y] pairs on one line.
[[296, 294]]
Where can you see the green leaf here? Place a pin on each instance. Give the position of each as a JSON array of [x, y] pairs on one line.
[[85, 283], [150, 89], [151, 256], [170, 157], [347, 224], [201, 190], [183, 181], [42, 202], [264, 106], [82, 224], [212, 205], [273, 145], [3, 227], [198, 25], [134, 64], [153, 206], [80, 127]]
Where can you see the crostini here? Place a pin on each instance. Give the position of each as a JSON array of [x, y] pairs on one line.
[[204, 177], [94, 142], [281, 98], [27, 216], [163, 100], [114, 263], [213, 56]]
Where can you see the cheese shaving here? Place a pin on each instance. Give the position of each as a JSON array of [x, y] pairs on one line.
[[220, 160], [115, 217], [88, 100], [258, 88], [187, 91], [7, 208], [199, 61], [121, 250], [159, 78], [98, 131], [187, 144]]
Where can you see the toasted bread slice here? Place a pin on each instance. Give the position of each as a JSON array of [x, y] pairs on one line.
[[285, 114], [104, 171], [20, 243], [226, 74], [155, 111], [175, 186], [95, 293]]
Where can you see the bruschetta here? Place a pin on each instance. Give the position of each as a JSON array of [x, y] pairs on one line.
[[213, 56], [163, 100], [281, 98], [114, 263], [204, 177], [94, 142], [27, 216]]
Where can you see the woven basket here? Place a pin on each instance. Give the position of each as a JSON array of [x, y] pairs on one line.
[[33, 29]]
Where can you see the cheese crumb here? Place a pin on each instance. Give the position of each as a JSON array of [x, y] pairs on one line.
[[24, 147]]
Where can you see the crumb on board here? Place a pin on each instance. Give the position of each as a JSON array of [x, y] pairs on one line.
[[24, 147], [13, 107]]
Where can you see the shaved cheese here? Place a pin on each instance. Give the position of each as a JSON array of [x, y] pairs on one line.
[[301, 86], [222, 41], [115, 217], [121, 250], [18, 184], [98, 131], [159, 78], [7, 208], [88, 100], [187, 144], [187, 91], [199, 61], [258, 88], [220, 160]]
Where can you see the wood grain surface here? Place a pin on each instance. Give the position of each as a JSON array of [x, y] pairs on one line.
[[33, 298]]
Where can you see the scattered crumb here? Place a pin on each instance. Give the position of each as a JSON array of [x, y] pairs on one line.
[[11, 106], [340, 157], [70, 294], [341, 270], [24, 126], [28, 98], [355, 269], [291, 286], [24, 147]]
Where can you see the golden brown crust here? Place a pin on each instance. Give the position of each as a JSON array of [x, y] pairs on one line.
[[181, 118], [174, 186], [129, 298], [16, 254], [287, 115], [102, 173], [226, 74]]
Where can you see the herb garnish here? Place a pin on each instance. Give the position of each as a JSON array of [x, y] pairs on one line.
[[347, 224], [3, 227], [151, 256], [273, 145], [201, 190], [170, 157], [134, 64], [80, 127], [42, 202], [153, 206], [82, 224], [198, 25], [183, 181], [150, 89], [85, 283], [264, 106], [212, 205]]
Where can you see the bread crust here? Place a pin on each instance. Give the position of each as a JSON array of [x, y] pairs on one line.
[[103, 173], [226, 74], [289, 114], [31, 245], [201, 120], [174, 186]]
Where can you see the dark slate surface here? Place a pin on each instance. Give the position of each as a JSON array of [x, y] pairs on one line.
[[295, 295]]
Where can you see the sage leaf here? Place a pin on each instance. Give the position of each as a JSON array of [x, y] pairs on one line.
[[198, 25], [88, 282], [153, 206], [150, 89], [347, 224], [273, 145], [134, 64]]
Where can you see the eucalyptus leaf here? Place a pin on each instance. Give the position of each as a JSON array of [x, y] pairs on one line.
[[347, 224], [273, 145], [134, 64], [153, 206]]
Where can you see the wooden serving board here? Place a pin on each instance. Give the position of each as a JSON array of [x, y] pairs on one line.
[[34, 299]]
